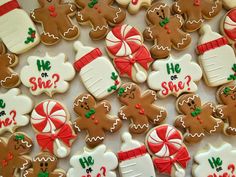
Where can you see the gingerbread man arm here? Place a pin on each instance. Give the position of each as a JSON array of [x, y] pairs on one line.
[[209, 108], [22, 162], [35, 15], [104, 106], [57, 173], [10, 60], [149, 96], [222, 111], [69, 8], [181, 122], [29, 173], [150, 34], [80, 124], [178, 7], [82, 16], [177, 20], [124, 113], [111, 124]]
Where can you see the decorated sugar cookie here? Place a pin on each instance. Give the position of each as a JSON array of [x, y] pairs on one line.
[[13, 156], [99, 14], [50, 120], [212, 48], [195, 11], [170, 155], [47, 74], [134, 6], [165, 31], [134, 158], [229, 4], [196, 119], [17, 31], [226, 95], [14, 110], [90, 64], [174, 76], [131, 57], [54, 16], [215, 161], [95, 162], [94, 118], [139, 108], [44, 165]]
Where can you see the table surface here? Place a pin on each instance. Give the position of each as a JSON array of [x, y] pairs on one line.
[[113, 141]]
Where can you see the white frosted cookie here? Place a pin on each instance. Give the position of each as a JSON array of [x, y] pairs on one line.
[[133, 6], [229, 4]]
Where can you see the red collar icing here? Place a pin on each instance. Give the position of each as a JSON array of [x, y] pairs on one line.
[[86, 59], [122, 156], [9, 6]]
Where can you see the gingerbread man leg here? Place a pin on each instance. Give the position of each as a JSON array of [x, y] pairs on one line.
[[181, 40], [193, 138], [139, 125], [50, 33], [156, 115], [10, 80], [111, 124], [99, 28], [29, 173], [67, 29], [193, 20], [162, 48], [95, 136], [115, 16]]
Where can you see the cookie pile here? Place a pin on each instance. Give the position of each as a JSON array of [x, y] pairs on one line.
[[165, 149]]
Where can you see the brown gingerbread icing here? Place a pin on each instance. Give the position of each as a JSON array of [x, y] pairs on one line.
[[227, 96], [196, 119], [165, 30], [8, 78], [44, 165], [99, 14], [55, 19], [94, 118], [12, 154], [139, 108], [195, 11]]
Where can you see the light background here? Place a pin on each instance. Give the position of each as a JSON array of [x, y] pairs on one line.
[[113, 141]]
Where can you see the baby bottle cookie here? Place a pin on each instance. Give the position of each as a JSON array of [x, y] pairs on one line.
[[212, 47], [90, 64], [18, 32], [47, 74], [229, 4], [196, 119], [215, 161], [50, 120], [130, 56], [139, 108], [54, 16], [134, 158], [94, 118], [174, 76], [165, 30], [93, 162], [133, 6]]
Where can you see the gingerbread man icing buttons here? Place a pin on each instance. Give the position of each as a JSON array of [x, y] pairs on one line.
[[229, 4], [170, 155], [43, 165], [55, 134], [14, 110], [131, 57], [133, 6], [90, 64], [196, 119], [23, 35], [212, 47], [54, 17], [226, 95], [93, 162], [47, 74], [99, 14], [165, 30], [139, 108], [8, 78], [134, 158], [174, 76], [13, 156], [215, 161], [195, 11], [94, 118]]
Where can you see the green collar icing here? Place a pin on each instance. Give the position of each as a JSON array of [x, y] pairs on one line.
[[164, 22], [196, 112], [43, 174], [90, 113], [20, 137], [92, 3]]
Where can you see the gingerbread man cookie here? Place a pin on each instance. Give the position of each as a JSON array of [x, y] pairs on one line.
[[94, 118], [165, 30], [13, 154], [99, 14], [226, 95], [195, 11], [196, 119], [54, 17], [44, 165], [139, 108], [8, 78]]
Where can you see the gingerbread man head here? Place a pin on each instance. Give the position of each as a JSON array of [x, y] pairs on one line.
[[83, 104], [46, 3], [227, 95], [188, 104]]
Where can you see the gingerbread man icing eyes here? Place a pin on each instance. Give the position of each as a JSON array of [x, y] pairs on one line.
[[54, 17], [226, 95], [195, 11], [196, 119], [94, 118], [99, 14], [13, 152], [139, 108], [165, 30], [44, 165]]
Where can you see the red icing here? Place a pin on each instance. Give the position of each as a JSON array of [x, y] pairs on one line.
[[9, 158], [9, 120], [134, 2], [126, 155], [9, 6], [52, 11], [197, 2]]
